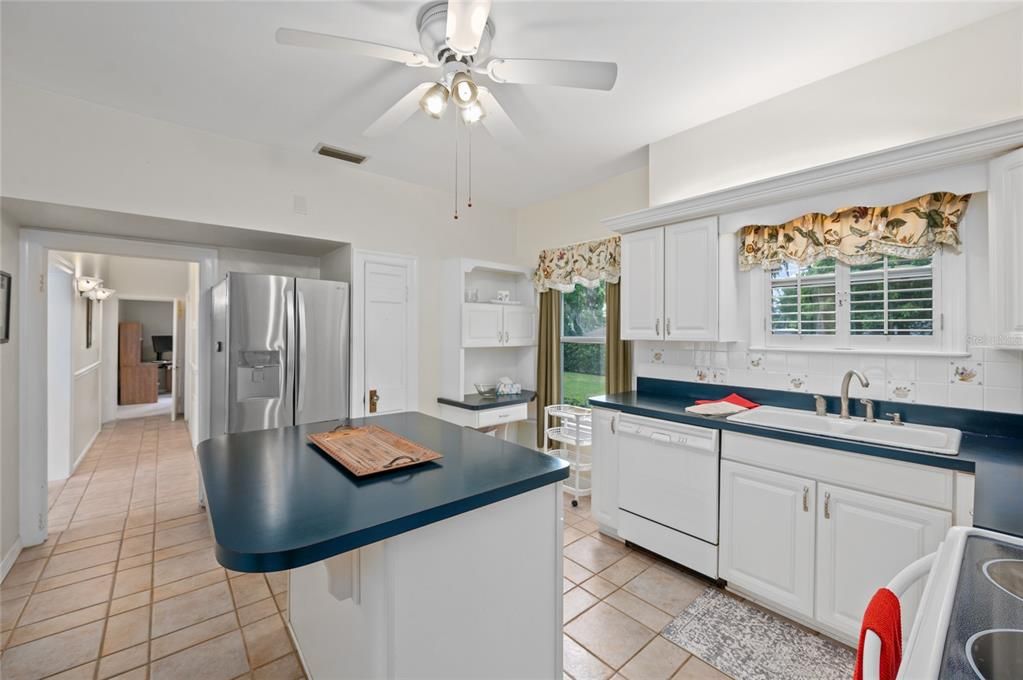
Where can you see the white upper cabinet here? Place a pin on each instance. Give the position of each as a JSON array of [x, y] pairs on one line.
[[1005, 248], [691, 280], [519, 326], [642, 280], [493, 325], [671, 283], [863, 540]]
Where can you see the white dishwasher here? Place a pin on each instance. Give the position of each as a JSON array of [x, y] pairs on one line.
[[668, 490]]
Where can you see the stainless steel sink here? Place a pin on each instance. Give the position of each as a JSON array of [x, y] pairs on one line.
[[943, 440]]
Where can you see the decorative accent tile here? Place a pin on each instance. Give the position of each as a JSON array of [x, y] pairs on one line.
[[748, 643], [703, 374], [797, 382], [754, 361], [901, 390], [966, 372], [719, 376], [657, 355]]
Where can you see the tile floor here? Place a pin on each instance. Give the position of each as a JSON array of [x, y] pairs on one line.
[[127, 584], [617, 600]]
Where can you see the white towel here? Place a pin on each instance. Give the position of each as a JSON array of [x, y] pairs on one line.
[[716, 408]]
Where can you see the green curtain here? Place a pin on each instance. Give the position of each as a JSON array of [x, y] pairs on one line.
[[619, 352], [548, 359]]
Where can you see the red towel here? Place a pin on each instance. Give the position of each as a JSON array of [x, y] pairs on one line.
[[732, 398], [884, 617]]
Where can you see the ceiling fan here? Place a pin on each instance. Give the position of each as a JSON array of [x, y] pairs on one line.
[[455, 36]]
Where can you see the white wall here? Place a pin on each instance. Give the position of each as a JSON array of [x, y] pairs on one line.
[[9, 430], [144, 277], [60, 301], [87, 362], [262, 262], [156, 319], [212, 179], [963, 79], [575, 216]]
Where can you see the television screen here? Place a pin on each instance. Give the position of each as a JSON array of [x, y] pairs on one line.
[[163, 343]]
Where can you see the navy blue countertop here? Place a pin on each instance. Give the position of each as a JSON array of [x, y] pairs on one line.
[[987, 449], [476, 402], [276, 502]]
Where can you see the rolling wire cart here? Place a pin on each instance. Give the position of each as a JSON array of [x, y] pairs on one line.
[[571, 427]]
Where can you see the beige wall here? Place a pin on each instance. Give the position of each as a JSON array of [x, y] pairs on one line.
[[9, 448], [966, 78], [575, 216], [146, 277], [211, 179]]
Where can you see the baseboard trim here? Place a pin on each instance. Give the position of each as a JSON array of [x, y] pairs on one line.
[[10, 558], [81, 454]]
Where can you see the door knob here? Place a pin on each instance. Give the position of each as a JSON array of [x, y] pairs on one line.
[[374, 397]]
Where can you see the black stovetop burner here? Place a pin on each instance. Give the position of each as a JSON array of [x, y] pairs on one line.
[[985, 631]]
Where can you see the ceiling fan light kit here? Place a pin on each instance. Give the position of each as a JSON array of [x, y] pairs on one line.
[[456, 37]]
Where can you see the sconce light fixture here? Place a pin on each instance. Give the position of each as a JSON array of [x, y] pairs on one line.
[[86, 284]]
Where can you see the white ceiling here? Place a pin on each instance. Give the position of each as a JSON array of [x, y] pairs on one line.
[[215, 66]]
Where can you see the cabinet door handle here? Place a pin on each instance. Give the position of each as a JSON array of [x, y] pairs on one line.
[[827, 505], [806, 499], [613, 426], [507, 337], [667, 325], [500, 336], [657, 327]]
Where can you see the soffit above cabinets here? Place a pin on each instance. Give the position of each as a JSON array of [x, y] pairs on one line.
[[961, 149]]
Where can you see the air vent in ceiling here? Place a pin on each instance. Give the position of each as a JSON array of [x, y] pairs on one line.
[[339, 154]]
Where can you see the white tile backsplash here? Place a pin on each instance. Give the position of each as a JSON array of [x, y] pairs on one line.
[[996, 383]]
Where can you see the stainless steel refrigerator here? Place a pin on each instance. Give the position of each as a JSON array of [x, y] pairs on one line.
[[280, 352]]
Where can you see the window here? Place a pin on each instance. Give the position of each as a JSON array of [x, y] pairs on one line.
[[583, 322], [891, 303]]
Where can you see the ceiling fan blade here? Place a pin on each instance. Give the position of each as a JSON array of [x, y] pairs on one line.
[[496, 120], [466, 21], [401, 111], [298, 38], [590, 75]]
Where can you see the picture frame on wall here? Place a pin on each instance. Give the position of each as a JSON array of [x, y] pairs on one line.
[[5, 307], [88, 323]]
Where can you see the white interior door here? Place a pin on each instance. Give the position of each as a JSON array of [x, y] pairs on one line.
[[175, 361], [386, 324], [59, 314]]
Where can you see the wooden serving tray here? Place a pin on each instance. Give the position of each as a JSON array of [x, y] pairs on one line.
[[371, 449]]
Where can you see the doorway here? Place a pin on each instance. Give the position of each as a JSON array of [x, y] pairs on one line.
[[148, 357]]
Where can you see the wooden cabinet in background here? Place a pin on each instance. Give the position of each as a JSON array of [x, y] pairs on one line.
[[136, 382]]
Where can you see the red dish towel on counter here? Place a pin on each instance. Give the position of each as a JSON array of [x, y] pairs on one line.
[[732, 398], [884, 617]]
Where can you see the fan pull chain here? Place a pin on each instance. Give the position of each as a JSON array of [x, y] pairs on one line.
[[456, 165], [469, 169]]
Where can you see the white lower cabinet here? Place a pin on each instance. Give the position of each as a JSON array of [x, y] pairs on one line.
[[605, 470], [767, 534], [795, 536], [863, 540]]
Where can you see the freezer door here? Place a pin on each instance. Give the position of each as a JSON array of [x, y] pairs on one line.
[[260, 380], [322, 384], [218, 359]]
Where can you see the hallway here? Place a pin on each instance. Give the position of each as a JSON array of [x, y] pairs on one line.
[[127, 584]]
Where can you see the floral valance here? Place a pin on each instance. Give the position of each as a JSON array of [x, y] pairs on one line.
[[858, 235], [586, 263]]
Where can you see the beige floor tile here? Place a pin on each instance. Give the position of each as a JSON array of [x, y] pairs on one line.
[[647, 614], [599, 586], [10, 611], [84, 672], [11, 593], [575, 602], [625, 569], [133, 580], [575, 572], [36, 552], [249, 588], [68, 546], [570, 534], [182, 548], [285, 668], [137, 674], [566, 585], [594, 554], [135, 561], [221, 658], [278, 581], [26, 572], [657, 661], [582, 665], [67, 599], [57, 624], [81, 559], [75, 577], [166, 538], [124, 660], [126, 630], [586, 526], [282, 603], [200, 632], [191, 608], [136, 545], [669, 591], [95, 527], [184, 566], [129, 602], [185, 585], [256, 611], [695, 669], [52, 654], [609, 634], [266, 640]]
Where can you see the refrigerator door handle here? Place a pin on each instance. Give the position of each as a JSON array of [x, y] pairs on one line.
[[301, 359]]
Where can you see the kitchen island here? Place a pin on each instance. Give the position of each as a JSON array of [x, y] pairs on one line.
[[448, 569]]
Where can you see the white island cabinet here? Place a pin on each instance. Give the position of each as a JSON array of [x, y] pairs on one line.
[[605, 470]]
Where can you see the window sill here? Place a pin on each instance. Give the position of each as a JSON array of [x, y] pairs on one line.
[[866, 351]]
